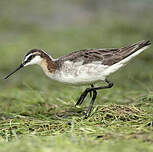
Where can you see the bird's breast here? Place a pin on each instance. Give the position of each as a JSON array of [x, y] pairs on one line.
[[79, 73]]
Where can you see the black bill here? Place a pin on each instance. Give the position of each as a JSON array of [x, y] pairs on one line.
[[18, 68]]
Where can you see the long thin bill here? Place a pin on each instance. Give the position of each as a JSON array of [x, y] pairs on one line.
[[18, 68]]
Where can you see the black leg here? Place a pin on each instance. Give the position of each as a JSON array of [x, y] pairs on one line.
[[92, 86], [110, 84], [82, 97], [94, 90], [91, 104], [84, 94]]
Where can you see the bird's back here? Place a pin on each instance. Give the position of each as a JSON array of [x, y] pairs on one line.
[[108, 56], [91, 65]]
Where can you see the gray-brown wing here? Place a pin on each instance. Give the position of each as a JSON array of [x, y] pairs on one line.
[[106, 56], [89, 55], [124, 52]]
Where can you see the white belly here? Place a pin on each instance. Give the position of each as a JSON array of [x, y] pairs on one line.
[[78, 73]]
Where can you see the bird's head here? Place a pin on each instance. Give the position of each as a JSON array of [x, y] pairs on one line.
[[34, 56]]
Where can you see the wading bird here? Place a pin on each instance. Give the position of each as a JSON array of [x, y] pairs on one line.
[[84, 67]]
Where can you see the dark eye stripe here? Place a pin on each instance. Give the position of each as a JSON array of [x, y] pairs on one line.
[[30, 58]]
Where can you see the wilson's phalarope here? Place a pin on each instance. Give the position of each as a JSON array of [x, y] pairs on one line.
[[84, 67]]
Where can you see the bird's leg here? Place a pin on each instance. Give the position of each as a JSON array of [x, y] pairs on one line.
[[110, 84], [84, 94], [92, 86], [91, 104]]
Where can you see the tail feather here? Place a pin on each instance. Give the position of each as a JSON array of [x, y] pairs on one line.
[[127, 54], [127, 51]]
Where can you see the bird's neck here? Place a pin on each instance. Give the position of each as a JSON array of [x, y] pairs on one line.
[[48, 65]]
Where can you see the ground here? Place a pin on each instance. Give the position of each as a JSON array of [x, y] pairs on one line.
[[37, 114]]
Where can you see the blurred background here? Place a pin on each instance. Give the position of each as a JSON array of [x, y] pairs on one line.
[[32, 104], [62, 26]]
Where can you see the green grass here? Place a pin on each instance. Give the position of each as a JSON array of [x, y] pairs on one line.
[[37, 114]]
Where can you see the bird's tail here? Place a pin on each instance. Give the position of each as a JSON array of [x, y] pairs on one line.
[[129, 50], [127, 53]]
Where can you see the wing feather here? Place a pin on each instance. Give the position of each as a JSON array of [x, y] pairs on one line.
[[108, 56]]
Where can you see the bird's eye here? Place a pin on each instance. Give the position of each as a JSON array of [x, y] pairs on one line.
[[29, 59]]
